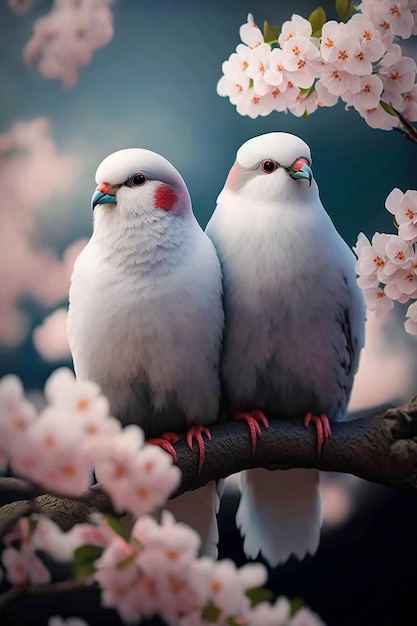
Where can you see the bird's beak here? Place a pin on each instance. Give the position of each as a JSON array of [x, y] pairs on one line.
[[301, 169], [102, 195]]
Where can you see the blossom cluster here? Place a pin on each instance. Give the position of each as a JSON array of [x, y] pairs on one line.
[[73, 435], [63, 41], [302, 70], [387, 266], [143, 567]]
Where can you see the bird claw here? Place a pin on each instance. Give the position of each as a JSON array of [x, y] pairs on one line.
[[165, 442], [196, 432], [322, 424], [253, 418]]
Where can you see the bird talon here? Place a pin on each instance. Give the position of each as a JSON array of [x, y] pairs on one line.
[[197, 432], [163, 443], [322, 424], [252, 419]]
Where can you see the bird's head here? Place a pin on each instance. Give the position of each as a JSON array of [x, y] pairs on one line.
[[135, 181], [272, 167]]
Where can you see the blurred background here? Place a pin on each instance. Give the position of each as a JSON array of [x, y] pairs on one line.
[[153, 85]]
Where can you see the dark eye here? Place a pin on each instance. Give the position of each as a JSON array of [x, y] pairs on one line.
[[269, 166], [137, 179]]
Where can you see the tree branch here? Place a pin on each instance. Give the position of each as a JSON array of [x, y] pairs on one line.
[[380, 448]]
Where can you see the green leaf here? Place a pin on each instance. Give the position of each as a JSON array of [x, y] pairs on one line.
[[84, 557], [305, 115], [344, 9], [210, 612], [117, 526], [250, 83], [305, 91], [259, 594], [32, 525], [271, 33], [317, 19], [396, 224], [296, 604], [388, 108]]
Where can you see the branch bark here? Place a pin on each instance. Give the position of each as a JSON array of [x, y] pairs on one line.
[[380, 448]]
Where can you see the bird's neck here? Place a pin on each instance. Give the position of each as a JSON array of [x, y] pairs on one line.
[[141, 245]]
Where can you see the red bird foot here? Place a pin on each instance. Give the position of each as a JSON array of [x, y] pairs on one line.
[[165, 442], [196, 432], [322, 424], [253, 418]]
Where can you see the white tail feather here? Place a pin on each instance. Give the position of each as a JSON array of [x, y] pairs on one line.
[[198, 509], [279, 513]]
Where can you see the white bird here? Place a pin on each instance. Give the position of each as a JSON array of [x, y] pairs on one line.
[[294, 328], [145, 318]]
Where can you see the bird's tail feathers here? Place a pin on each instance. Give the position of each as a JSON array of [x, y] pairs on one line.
[[279, 513], [198, 509]]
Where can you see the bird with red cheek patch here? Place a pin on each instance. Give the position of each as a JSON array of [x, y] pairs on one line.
[[145, 319]]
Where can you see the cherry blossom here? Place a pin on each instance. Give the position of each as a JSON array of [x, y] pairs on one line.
[[297, 26], [250, 33], [398, 74], [258, 64], [22, 6], [411, 322], [404, 207], [64, 41], [137, 478], [301, 61]]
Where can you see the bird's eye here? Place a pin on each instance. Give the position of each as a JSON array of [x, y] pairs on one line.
[[137, 179], [269, 166]]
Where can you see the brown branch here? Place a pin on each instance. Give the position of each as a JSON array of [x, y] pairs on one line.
[[380, 448], [408, 131]]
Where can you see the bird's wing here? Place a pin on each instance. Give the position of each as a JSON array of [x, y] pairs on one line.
[[351, 318]]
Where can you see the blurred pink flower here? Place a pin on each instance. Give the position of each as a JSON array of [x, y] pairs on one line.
[[64, 41], [50, 338], [28, 149]]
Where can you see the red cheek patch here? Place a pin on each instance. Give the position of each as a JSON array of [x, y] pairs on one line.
[[165, 198]]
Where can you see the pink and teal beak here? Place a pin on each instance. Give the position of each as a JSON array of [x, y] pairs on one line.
[[102, 195], [301, 169]]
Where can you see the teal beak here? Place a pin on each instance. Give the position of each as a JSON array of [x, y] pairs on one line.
[[102, 198], [303, 172]]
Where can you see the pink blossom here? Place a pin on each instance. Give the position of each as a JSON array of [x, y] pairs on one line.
[[369, 93], [404, 207], [276, 74], [301, 61], [50, 337], [250, 33], [235, 68], [268, 614], [337, 81], [137, 479], [408, 106], [258, 64], [377, 117], [24, 567], [297, 26], [371, 46], [411, 322], [398, 74], [377, 300], [64, 41]]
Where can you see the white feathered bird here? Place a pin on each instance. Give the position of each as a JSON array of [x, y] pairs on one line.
[[294, 327], [145, 318]]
